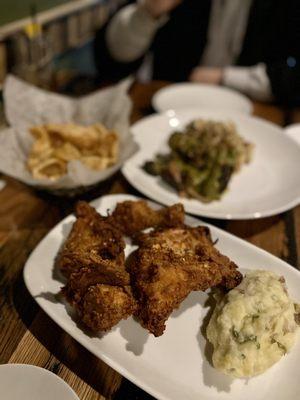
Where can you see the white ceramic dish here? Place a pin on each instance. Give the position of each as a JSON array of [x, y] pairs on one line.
[[28, 382], [270, 184], [293, 131], [173, 366], [187, 95]]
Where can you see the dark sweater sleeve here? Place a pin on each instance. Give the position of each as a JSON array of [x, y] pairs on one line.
[[285, 80], [108, 68], [284, 72]]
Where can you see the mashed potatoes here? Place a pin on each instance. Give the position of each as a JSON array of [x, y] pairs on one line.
[[253, 325]]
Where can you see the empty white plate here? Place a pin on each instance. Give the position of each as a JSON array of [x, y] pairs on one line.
[[268, 185], [293, 131], [28, 382], [192, 95], [174, 366]]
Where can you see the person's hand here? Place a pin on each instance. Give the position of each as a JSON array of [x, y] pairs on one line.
[[157, 8], [210, 75]]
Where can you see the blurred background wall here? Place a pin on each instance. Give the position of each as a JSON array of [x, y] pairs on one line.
[[12, 10], [49, 42]]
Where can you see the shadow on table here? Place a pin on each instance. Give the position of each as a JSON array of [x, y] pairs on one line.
[[128, 391]]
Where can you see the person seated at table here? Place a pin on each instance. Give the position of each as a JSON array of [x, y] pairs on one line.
[[250, 45]]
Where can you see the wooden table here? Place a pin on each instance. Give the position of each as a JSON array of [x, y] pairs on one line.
[[28, 335]]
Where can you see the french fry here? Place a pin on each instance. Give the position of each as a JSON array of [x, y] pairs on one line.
[[52, 168], [57, 144]]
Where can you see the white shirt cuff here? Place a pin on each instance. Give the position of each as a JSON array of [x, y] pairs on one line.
[[253, 81]]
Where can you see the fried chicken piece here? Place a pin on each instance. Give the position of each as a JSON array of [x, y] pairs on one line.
[[93, 260], [134, 216], [108, 273], [101, 295], [193, 241], [91, 240], [103, 306], [169, 264]]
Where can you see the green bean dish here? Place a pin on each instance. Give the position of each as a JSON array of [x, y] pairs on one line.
[[202, 160]]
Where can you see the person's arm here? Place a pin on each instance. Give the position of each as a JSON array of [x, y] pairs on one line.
[[278, 81], [253, 81], [281, 75], [119, 47], [130, 32]]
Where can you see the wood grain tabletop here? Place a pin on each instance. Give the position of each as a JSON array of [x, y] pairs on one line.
[[28, 335]]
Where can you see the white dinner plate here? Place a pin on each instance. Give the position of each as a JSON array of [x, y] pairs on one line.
[[293, 131], [187, 95], [174, 366], [28, 382], [268, 185]]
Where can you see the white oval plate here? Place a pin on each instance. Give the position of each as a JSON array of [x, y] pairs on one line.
[[187, 95], [270, 184], [28, 382], [173, 366]]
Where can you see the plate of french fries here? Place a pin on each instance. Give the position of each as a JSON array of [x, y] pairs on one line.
[[61, 144]]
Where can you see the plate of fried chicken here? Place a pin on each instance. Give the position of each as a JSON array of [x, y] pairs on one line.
[[129, 280]]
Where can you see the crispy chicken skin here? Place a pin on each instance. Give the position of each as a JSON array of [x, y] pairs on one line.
[[91, 240], [168, 265], [134, 216], [93, 260], [101, 295], [104, 306], [106, 274], [99, 305]]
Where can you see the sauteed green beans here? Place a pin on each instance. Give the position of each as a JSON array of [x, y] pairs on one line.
[[202, 159]]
